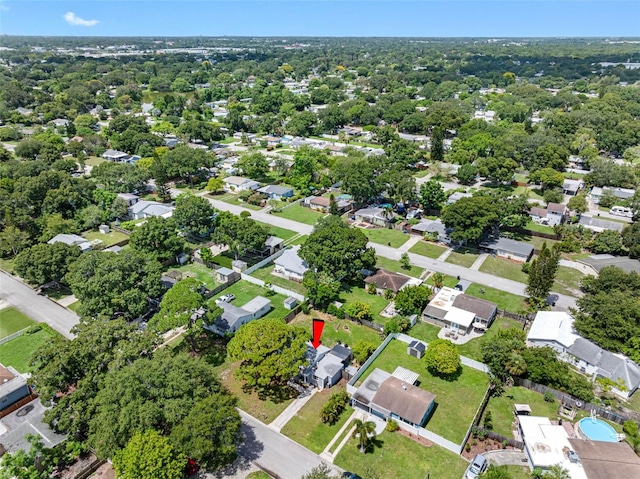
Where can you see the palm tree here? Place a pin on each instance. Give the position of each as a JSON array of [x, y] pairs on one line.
[[438, 281], [516, 365], [557, 472], [362, 432]]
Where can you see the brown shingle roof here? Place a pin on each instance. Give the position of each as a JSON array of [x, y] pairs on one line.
[[605, 460], [385, 280], [405, 400], [556, 207], [536, 211], [320, 201], [480, 307]]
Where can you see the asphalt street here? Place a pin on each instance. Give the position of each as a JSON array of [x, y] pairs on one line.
[[39, 308]]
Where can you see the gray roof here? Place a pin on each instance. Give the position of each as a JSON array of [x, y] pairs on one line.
[[406, 400], [275, 190], [70, 239], [232, 313], [273, 241], [151, 208], [600, 223], [341, 352], [114, 153], [290, 261], [434, 312], [418, 346], [482, 308], [10, 380], [430, 226], [603, 260], [224, 271], [508, 245]]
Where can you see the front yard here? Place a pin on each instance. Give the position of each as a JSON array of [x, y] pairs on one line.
[[568, 281], [385, 236], [464, 257], [18, 352], [300, 214], [307, 428], [395, 267], [430, 250], [111, 238], [505, 301], [12, 321], [395, 456], [456, 400], [504, 268]]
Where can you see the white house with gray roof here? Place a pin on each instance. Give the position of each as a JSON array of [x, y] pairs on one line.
[[145, 209], [508, 248], [290, 265], [72, 240], [598, 224], [276, 192], [234, 316]]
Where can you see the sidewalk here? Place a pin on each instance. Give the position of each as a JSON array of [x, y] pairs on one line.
[[409, 243], [479, 261], [445, 254], [292, 409], [330, 456]]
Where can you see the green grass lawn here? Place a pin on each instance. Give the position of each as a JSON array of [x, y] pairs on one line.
[[343, 330], [377, 303], [395, 267], [567, 281], [424, 331], [506, 301], [112, 237], [464, 257], [504, 268], [281, 232], [223, 260], [306, 427], [449, 281], [395, 456], [456, 401], [532, 226], [6, 264], [264, 274], [245, 291], [18, 352], [502, 408], [473, 349], [75, 306], [234, 200], [198, 271], [529, 192], [94, 160], [57, 293], [427, 249], [300, 214], [421, 173], [228, 141], [394, 238], [12, 320], [258, 475], [299, 240]]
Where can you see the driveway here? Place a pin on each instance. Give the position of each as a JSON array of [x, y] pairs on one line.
[[506, 457], [39, 308], [270, 450]]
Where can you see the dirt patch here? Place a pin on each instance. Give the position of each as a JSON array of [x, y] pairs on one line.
[[413, 437], [481, 446], [106, 471]]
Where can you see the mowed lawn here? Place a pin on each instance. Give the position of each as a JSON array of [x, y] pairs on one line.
[[112, 237], [377, 303], [264, 274], [307, 428], [245, 292], [430, 250], [198, 271], [343, 330], [394, 456], [504, 268], [456, 400], [12, 320], [505, 301], [501, 408], [300, 214], [568, 281], [18, 352], [395, 267], [463, 257], [473, 348], [393, 238], [281, 232]]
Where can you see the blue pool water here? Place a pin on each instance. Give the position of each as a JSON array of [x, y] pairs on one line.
[[598, 430]]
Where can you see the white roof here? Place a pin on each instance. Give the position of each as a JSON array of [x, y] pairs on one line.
[[546, 444], [445, 298], [328, 366], [553, 326], [290, 261], [236, 180], [460, 316], [405, 375]]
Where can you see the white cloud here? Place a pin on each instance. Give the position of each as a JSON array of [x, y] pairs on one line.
[[4, 8], [73, 19]]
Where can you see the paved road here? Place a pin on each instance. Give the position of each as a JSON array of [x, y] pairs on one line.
[[563, 302], [271, 451], [39, 308]]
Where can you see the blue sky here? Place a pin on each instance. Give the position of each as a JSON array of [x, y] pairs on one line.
[[424, 18]]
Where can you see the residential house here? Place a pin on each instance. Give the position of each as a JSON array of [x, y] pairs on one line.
[[456, 196], [395, 396], [599, 261], [289, 265], [508, 248], [129, 198], [325, 365], [553, 329], [272, 245], [572, 187], [334, 149], [272, 140], [276, 192], [434, 229], [13, 387], [620, 193], [384, 280], [606, 460], [376, 216], [459, 312], [554, 214], [598, 224], [115, 155], [72, 240], [318, 203], [233, 316], [145, 209], [24, 111], [238, 183]]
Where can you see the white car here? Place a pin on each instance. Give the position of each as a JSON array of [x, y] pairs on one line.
[[477, 467], [225, 298]]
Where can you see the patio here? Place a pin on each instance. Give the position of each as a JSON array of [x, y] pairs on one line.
[[457, 338]]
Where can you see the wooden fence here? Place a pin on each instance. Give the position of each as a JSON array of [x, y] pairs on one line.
[[369, 324], [522, 318], [292, 314], [15, 406], [90, 469], [234, 278], [564, 398]]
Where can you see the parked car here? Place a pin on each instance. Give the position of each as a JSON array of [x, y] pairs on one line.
[[225, 298], [350, 475], [477, 467]]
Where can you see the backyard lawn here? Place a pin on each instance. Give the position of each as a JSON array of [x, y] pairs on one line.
[[568, 281], [12, 320], [395, 267], [94, 160], [424, 331], [377, 303], [17, 352], [306, 427], [473, 349], [502, 408], [395, 456], [281, 232], [456, 400], [504, 268], [75, 306], [505, 301], [112, 237], [427, 249], [393, 238], [245, 291], [300, 214], [198, 271], [264, 274], [343, 330], [463, 257]]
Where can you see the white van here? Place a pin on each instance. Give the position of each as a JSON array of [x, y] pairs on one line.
[[621, 211]]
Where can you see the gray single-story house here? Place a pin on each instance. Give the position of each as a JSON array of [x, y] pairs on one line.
[[115, 155], [620, 193], [598, 224], [572, 187], [289, 265], [233, 316], [72, 240], [432, 227], [13, 387], [376, 216], [276, 192], [145, 209], [508, 248]]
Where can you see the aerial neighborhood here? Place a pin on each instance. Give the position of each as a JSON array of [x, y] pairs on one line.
[[289, 258]]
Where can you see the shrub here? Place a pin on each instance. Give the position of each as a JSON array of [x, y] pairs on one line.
[[504, 444], [245, 214], [548, 397], [482, 434], [488, 421], [34, 329], [467, 447], [358, 310], [630, 428], [371, 288], [526, 267], [332, 409], [392, 426], [362, 350], [335, 311], [255, 199]]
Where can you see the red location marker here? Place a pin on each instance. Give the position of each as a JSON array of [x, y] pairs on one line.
[[318, 326]]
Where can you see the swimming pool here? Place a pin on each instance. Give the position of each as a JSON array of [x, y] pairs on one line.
[[597, 430]]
